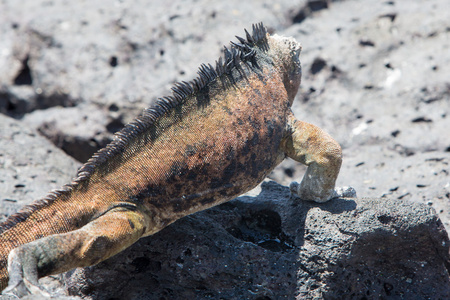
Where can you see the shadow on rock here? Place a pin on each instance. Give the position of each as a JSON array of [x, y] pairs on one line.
[[400, 253]]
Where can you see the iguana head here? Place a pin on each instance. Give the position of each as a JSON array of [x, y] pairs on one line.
[[263, 50], [286, 54]]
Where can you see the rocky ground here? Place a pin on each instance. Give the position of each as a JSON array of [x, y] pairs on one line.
[[375, 76]]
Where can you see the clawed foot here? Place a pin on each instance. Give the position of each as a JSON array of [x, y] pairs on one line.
[[22, 276], [23, 288], [321, 196], [345, 192]]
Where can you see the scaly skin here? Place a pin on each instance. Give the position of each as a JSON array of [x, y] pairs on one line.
[[220, 138]]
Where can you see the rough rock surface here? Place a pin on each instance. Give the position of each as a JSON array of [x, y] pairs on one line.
[[375, 77], [275, 247], [30, 166]]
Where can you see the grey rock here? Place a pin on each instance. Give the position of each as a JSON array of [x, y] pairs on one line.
[[30, 166], [78, 131], [273, 246], [124, 53]]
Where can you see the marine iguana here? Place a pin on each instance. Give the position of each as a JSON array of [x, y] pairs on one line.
[[212, 140]]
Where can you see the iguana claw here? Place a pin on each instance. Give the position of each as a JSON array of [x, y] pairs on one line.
[[345, 192], [338, 192], [23, 276]]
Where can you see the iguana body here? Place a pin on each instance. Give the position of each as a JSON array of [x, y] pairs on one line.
[[214, 139]]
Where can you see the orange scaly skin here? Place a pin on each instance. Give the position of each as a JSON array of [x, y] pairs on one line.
[[216, 138]]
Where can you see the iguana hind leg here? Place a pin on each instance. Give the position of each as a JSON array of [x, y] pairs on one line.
[[98, 240], [310, 145]]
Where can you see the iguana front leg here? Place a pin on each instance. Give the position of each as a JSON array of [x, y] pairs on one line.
[[310, 145], [98, 240]]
